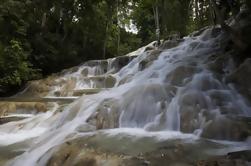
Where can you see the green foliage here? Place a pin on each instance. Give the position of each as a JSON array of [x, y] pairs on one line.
[[14, 67], [51, 35], [174, 16], [129, 42]]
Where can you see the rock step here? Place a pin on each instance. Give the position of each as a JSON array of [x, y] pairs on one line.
[[80, 92], [39, 99], [87, 91], [4, 120], [98, 77], [14, 117], [101, 81]]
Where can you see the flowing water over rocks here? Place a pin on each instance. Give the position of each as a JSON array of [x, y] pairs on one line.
[[168, 106]]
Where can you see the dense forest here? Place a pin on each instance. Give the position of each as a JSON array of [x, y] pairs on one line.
[[38, 38]]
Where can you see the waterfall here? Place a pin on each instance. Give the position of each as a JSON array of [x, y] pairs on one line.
[[165, 94]]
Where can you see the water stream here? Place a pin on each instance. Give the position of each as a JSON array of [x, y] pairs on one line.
[[153, 99]]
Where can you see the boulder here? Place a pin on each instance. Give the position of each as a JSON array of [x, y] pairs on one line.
[[107, 115], [126, 79], [84, 72], [151, 56], [169, 44], [179, 74], [217, 63], [240, 77], [121, 61], [110, 81], [223, 128]]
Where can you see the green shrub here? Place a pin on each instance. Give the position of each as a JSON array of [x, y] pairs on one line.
[[14, 66]]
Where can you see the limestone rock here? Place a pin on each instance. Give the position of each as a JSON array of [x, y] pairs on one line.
[[223, 128], [169, 44], [107, 115], [120, 62], [77, 153], [84, 72], [126, 79], [68, 87], [179, 74], [19, 107], [110, 81], [152, 55]]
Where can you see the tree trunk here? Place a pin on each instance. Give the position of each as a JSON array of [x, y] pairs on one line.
[[118, 40], [105, 39], [156, 16], [44, 18]]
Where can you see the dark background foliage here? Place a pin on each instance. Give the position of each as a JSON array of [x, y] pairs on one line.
[[38, 38]]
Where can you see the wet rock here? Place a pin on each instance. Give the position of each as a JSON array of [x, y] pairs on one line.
[[121, 61], [244, 155], [101, 63], [107, 115], [110, 81], [19, 107], [242, 27], [68, 87], [126, 79], [223, 128], [84, 72], [149, 48], [179, 74], [220, 162], [142, 104], [195, 114], [7, 108], [100, 81], [77, 153], [239, 158], [216, 31], [86, 128], [217, 63], [73, 69], [228, 110], [37, 88], [194, 44], [89, 150], [220, 97], [199, 32], [188, 118], [68, 71], [193, 98], [169, 44], [100, 66], [4, 120], [210, 33], [40, 107], [146, 62], [241, 78]]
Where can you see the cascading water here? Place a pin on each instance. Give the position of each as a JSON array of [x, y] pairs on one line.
[[159, 95]]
